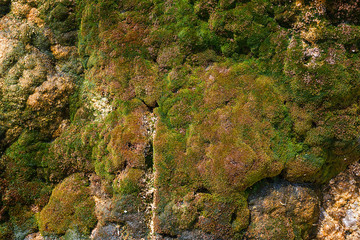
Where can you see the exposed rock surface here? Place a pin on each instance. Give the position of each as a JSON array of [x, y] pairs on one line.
[[340, 214], [117, 216], [281, 210]]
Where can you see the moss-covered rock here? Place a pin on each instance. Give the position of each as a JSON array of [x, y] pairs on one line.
[[214, 96], [70, 207]]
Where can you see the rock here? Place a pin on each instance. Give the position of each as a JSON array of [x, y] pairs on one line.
[[117, 215], [34, 89], [108, 232], [51, 93], [196, 234], [340, 213], [207, 97], [34, 236], [282, 210]]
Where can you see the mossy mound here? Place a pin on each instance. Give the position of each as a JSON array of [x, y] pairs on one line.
[[217, 135], [70, 207]]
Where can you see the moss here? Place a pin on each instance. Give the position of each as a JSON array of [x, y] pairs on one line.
[[304, 167], [220, 217], [240, 96], [208, 138], [128, 182], [5, 231], [28, 149], [61, 18], [26, 175], [70, 207], [68, 154], [23, 221], [128, 142]]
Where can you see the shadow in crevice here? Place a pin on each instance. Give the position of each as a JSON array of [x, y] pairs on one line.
[[149, 157], [5, 7], [202, 190]]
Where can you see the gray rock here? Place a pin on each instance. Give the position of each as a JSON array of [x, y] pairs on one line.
[[108, 232]]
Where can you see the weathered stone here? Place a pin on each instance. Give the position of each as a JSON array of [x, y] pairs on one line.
[[282, 210], [117, 215], [34, 236], [232, 91], [108, 232], [340, 218]]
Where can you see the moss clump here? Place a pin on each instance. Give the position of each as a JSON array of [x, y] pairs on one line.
[[68, 154], [28, 149], [128, 182], [217, 137], [70, 207], [61, 18], [24, 174], [5, 231]]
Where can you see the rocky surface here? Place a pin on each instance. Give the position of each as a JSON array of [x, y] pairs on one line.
[[282, 210], [340, 206], [35, 82], [140, 119], [118, 217]]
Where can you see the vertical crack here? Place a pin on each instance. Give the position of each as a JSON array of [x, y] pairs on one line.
[[150, 121]]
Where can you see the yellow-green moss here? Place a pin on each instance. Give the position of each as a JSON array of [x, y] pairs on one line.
[[128, 182], [70, 207]]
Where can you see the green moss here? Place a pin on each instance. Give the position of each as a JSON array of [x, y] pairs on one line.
[[214, 144], [222, 217], [28, 149], [61, 18], [239, 95], [70, 207], [5, 231], [24, 172], [68, 154], [129, 181]]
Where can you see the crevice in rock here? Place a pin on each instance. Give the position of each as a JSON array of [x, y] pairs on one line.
[[149, 107], [233, 217], [202, 190], [5, 7], [149, 161], [167, 236]]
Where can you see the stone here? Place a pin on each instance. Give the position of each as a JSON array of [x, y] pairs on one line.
[[34, 236], [283, 210], [340, 212]]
